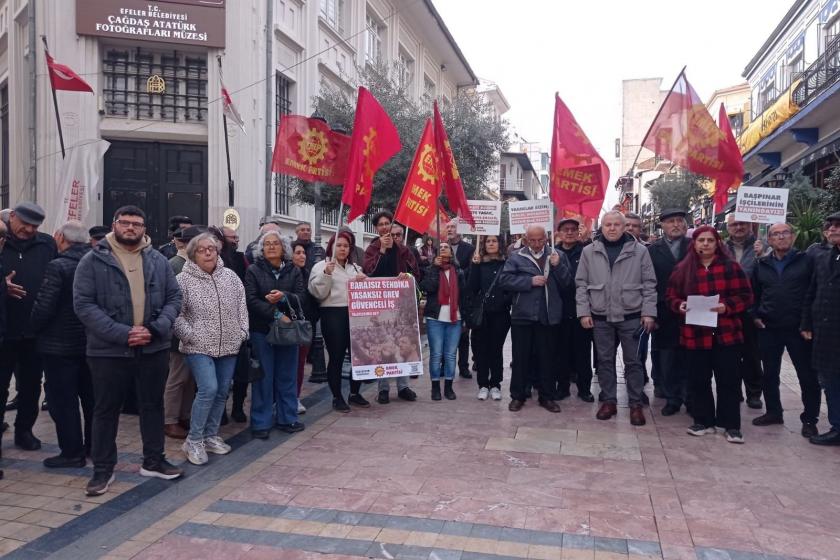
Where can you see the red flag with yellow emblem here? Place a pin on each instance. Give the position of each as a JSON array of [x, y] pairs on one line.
[[578, 174], [416, 208], [684, 133], [449, 173], [375, 140], [310, 150], [728, 149]]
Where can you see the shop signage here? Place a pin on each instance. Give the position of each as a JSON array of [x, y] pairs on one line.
[[182, 22]]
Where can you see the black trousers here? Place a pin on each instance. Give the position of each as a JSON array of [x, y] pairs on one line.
[[575, 355], [464, 350], [68, 383], [672, 368], [112, 378], [19, 357], [772, 344], [488, 343], [335, 327], [722, 362], [239, 389], [750, 359], [534, 351]]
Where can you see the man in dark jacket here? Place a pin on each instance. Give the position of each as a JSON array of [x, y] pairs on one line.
[[176, 223], [314, 253], [3, 232], [24, 259], [821, 323], [575, 349], [665, 253], [463, 251], [61, 343], [741, 245], [537, 275], [780, 283], [126, 296]]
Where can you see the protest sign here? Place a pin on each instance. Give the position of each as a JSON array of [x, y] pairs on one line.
[[527, 212], [761, 205], [487, 215], [384, 328]]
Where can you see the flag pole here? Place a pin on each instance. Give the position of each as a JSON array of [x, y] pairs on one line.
[[55, 100], [227, 144], [662, 106], [338, 228]]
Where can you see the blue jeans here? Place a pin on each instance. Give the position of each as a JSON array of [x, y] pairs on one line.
[[277, 387], [443, 344], [212, 381]]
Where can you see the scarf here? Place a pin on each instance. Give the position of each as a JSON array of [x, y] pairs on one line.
[[448, 292]]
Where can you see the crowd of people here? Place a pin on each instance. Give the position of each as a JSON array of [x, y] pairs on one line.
[[116, 325]]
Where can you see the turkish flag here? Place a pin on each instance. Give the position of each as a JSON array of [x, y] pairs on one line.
[[419, 199], [727, 151], [310, 150], [64, 78], [449, 173], [684, 133], [375, 140], [578, 174]]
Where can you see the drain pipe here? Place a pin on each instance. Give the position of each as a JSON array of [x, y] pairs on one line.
[[269, 105], [33, 107]]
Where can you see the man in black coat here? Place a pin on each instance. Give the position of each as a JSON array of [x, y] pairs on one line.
[[821, 323], [665, 253], [314, 253], [780, 283], [61, 343], [24, 260], [463, 251], [176, 223]]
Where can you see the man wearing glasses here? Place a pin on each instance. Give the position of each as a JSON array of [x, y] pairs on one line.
[[780, 282], [126, 296]]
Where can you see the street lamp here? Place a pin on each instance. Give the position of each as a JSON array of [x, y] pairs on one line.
[[316, 350]]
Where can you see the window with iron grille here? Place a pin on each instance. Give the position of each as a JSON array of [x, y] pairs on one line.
[[4, 146], [127, 92], [283, 106]]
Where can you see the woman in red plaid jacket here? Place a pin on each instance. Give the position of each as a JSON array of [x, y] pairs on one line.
[[709, 270]]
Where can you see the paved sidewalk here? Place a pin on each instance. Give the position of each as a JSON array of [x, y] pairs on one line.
[[463, 480]]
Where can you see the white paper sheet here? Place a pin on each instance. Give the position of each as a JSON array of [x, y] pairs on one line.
[[699, 310]]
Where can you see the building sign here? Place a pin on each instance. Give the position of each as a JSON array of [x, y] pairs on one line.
[[772, 118], [155, 84], [182, 22], [761, 205]]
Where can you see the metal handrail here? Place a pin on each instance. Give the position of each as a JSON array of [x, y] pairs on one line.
[[821, 74]]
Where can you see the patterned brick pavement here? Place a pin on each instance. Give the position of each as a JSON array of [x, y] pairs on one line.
[[463, 480]]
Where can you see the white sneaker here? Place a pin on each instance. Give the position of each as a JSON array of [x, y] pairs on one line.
[[483, 393], [301, 408], [701, 430], [496, 394], [216, 445], [195, 451]]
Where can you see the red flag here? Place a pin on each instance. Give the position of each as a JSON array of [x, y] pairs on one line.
[[684, 133], [727, 150], [375, 140], [449, 173], [64, 78], [416, 208], [311, 150], [578, 174], [228, 108], [442, 217]]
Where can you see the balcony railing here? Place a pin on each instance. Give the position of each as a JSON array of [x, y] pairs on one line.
[[823, 73], [508, 184]]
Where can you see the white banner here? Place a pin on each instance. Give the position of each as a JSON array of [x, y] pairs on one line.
[[761, 205], [531, 212], [487, 215], [78, 178]]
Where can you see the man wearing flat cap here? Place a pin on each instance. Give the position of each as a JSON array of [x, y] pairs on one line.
[[665, 253], [97, 234], [24, 260]]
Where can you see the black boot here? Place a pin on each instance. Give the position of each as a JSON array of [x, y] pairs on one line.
[[447, 390], [436, 390]]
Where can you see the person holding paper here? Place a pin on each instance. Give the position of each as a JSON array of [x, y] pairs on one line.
[[708, 270]]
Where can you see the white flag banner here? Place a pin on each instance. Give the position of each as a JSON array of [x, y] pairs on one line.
[[229, 109], [79, 177]]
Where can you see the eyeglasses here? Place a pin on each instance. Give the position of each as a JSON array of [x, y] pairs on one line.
[[272, 244], [397, 233], [129, 223], [207, 250], [781, 234]]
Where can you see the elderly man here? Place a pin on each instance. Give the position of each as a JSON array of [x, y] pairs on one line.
[[24, 260], [126, 296], [616, 296], [821, 323], [742, 245], [314, 253], [463, 251], [537, 275], [61, 343], [665, 253], [780, 282]]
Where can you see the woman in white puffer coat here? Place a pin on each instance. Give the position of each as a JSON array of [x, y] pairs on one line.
[[212, 326]]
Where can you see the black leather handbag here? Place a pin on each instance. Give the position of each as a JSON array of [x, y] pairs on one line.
[[292, 329]]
